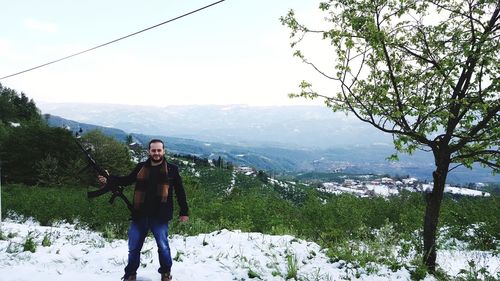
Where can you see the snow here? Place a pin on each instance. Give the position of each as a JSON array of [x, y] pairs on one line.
[[465, 191], [232, 185], [457, 190], [382, 190], [409, 180], [388, 187], [80, 254]]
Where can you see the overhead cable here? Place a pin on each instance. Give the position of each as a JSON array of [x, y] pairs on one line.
[[113, 41]]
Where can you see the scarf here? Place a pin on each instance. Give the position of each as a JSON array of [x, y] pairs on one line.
[[142, 184]]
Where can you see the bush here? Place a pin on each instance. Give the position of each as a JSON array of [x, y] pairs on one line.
[[29, 244], [364, 230], [35, 148]]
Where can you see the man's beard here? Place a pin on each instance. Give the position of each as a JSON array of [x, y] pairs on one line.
[[160, 159]]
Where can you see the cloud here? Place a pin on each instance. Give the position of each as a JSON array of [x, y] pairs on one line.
[[46, 27]]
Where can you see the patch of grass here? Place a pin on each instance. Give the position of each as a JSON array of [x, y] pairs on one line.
[[317, 276], [110, 232], [46, 242], [29, 244], [178, 256], [363, 232], [252, 274], [476, 272], [292, 267], [2, 235], [418, 270]]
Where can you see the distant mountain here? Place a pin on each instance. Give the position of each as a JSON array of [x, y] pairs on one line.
[[265, 158], [282, 126], [360, 156], [74, 126]]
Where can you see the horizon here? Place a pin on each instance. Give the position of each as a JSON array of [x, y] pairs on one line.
[[258, 146]]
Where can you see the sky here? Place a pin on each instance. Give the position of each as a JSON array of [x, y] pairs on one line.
[[80, 254], [236, 52]]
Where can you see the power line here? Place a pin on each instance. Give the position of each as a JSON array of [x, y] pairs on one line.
[[113, 41]]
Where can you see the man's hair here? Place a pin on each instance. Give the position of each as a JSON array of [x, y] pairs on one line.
[[156, 140]]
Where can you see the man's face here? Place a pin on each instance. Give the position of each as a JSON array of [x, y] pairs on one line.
[[156, 151]]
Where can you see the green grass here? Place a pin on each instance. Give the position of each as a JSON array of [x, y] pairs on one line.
[[358, 230], [48, 205]]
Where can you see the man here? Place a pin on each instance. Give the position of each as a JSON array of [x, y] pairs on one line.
[[153, 207]]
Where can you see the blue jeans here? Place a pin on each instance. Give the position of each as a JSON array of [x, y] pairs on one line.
[[137, 233]]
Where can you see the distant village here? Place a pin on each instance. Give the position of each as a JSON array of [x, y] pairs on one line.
[[362, 186], [387, 186], [383, 186]]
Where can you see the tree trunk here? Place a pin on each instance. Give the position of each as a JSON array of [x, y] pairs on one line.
[[433, 207]]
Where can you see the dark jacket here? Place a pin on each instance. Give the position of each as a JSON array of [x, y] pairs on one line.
[[153, 207]]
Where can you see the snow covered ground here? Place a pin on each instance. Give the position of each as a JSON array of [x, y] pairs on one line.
[[380, 189], [79, 254]]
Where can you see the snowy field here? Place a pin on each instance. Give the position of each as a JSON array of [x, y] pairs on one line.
[[79, 254]]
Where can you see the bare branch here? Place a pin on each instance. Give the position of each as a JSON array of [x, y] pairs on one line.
[[419, 56], [355, 77], [393, 78], [318, 70], [455, 167], [462, 85], [492, 112], [476, 153], [489, 164]]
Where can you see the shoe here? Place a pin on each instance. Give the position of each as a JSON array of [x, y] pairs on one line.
[[130, 278], [166, 277]]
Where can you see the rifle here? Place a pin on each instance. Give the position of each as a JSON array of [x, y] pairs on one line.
[[116, 191]]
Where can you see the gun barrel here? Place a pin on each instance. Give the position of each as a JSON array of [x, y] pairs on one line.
[[91, 162], [116, 191]]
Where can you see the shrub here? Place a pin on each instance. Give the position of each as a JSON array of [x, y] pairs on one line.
[[29, 244], [46, 241]]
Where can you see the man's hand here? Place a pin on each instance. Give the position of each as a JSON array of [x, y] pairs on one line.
[[102, 180], [183, 218]]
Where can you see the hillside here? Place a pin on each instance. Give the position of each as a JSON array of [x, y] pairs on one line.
[[245, 227], [308, 127], [361, 159]]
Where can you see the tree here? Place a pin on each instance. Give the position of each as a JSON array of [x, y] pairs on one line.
[[34, 150], [426, 72], [262, 176], [15, 107], [108, 152], [30, 151], [219, 163], [129, 139]]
